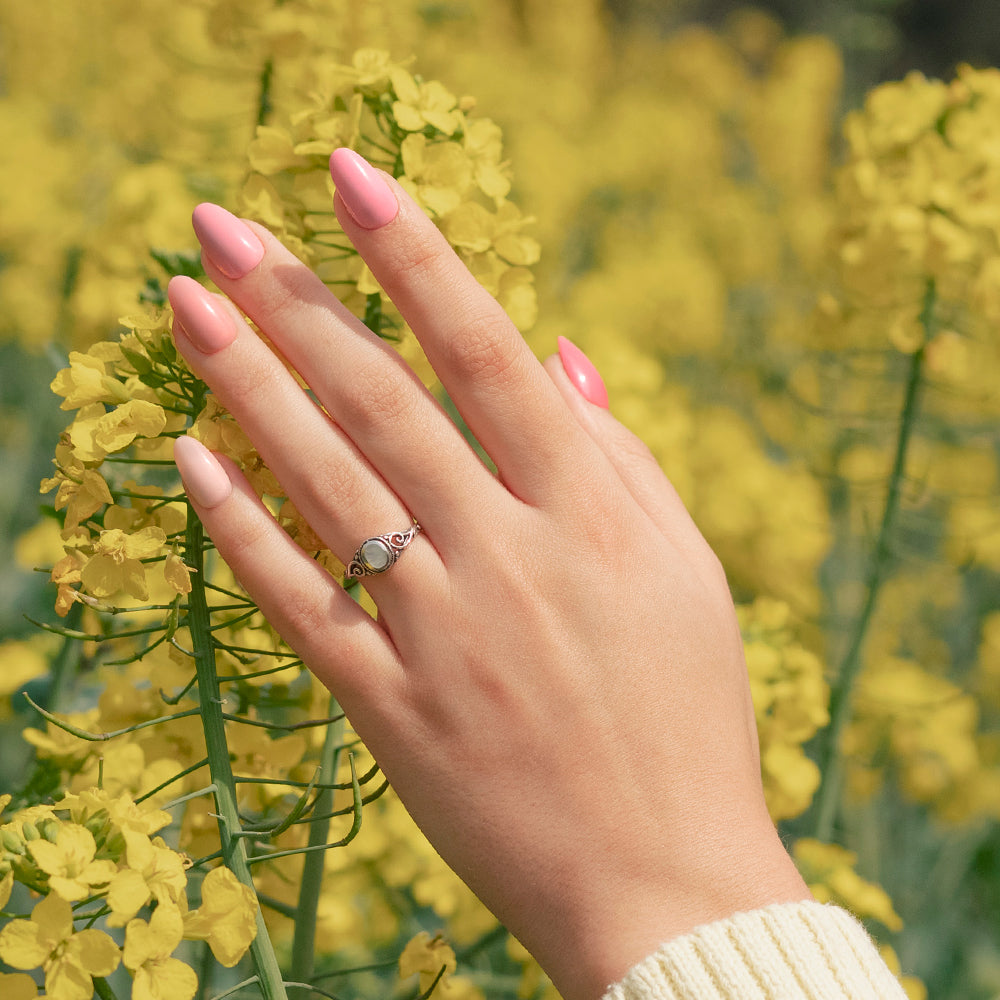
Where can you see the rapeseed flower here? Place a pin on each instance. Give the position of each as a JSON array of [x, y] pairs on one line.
[[829, 871], [226, 918], [147, 955], [72, 867], [69, 958]]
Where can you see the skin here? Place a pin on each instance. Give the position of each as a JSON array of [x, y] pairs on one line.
[[555, 685]]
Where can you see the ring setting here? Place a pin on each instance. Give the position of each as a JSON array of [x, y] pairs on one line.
[[376, 554]]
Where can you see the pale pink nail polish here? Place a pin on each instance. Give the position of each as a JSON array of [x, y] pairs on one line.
[[582, 373], [205, 480], [205, 320], [228, 242], [362, 189]]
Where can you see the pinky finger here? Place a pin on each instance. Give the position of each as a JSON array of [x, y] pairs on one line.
[[335, 638]]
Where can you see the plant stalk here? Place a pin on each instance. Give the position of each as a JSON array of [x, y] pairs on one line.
[[304, 941], [234, 850], [830, 761]]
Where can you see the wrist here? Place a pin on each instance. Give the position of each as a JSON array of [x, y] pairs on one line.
[[624, 921]]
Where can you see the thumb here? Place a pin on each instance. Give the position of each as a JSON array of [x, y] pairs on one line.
[[585, 394]]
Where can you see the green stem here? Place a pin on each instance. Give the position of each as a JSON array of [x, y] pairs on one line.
[[233, 848], [84, 734], [103, 990], [304, 941], [830, 761], [67, 660]]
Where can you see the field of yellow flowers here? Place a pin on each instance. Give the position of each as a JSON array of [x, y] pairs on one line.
[[794, 302]]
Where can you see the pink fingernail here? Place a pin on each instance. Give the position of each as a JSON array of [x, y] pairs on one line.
[[205, 480], [362, 189], [206, 322], [228, 242], [582, 373]]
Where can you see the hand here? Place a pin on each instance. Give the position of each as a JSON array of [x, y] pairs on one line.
[[555, 685]]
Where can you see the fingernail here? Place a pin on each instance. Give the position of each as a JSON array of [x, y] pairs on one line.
[[228, 242], [582, 373], [205, 480], [362, 189], [206, 322]]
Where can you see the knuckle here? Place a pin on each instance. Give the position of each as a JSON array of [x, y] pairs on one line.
[[483, 352], [249, 381], [416, 259], [243, 548], [306, 619], [335, 489], [378, 397], [287, 289]]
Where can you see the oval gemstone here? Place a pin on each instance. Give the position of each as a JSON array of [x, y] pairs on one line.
[[376, 555]]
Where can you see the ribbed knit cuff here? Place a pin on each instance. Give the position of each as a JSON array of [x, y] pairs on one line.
[[789, 951]]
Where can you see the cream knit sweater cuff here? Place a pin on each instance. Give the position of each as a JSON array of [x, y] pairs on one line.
[[789, 951]]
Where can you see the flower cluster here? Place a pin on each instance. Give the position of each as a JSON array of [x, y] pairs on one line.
[[918, 197], [449, 161], [93, 854], [790, 698]]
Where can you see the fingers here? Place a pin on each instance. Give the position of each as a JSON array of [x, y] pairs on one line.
[[334, 487], [581, 387], [333, 635], [497, 384], [362, 383]]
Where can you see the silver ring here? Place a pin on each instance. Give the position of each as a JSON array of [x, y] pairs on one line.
[[375, 555]]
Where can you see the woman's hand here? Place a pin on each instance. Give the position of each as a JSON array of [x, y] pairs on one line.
[[555, 685]]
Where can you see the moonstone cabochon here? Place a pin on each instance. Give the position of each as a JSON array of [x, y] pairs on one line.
[[376, 555]]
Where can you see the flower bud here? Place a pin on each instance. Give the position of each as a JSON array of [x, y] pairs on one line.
[[11, 842], [96, 824], [49, 829], [29, 831]]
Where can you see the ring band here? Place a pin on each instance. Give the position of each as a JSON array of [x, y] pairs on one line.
[[375, 555]]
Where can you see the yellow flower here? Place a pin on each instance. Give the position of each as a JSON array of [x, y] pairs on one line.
[[69, 862], [177, 573], [6, 888], [828, 870], [148, 947], [483, 142], [227, 917], [789, 697], [912, 986], [272, 151], [154, 871], [20, 662], [436, 175], [69, 959], [87, 381], [123, 814], [17, 986], [418, 105], [426, 956], [926, 722], [95, 432], [116, 563], [81, 496], [369, 70]]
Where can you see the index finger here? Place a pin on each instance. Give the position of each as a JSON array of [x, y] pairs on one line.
[[500, 388]]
